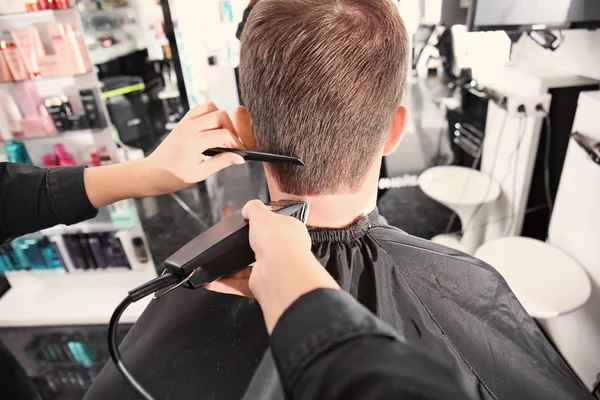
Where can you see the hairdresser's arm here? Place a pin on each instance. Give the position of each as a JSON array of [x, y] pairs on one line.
[[325, 344], [175, 165], [34, 198]]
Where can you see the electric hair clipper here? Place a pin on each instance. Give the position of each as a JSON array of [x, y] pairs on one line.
[[224, 248]]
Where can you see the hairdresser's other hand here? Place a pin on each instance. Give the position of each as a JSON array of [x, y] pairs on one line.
[[285, 268], [178, 162], [175, 165]]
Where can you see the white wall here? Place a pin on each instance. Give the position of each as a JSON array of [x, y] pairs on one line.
[[578, 54], [577, 334]]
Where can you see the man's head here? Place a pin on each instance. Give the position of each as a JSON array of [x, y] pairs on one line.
[[323, 80]]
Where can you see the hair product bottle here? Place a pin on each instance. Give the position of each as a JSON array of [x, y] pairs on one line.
[[13, 58], [10, 113]]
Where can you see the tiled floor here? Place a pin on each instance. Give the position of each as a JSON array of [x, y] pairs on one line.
[[169, 226]]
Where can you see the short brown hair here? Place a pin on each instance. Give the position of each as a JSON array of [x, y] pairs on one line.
[[322, 80]]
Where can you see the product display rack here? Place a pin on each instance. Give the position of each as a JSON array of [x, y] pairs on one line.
[[54, 320], [78, 142]]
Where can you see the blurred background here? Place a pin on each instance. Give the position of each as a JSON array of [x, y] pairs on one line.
[[501, 158]]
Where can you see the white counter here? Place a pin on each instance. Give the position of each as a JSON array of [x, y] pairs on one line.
[[47, 298]]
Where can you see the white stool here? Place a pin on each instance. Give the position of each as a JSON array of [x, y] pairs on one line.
[[467, 192], [548, 282]]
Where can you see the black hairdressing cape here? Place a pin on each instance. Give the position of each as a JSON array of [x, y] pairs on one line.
[[204, 345]]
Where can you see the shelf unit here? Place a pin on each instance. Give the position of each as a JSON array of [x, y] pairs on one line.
[[59, 291], [47, 78], [57, 136], [20, 14]]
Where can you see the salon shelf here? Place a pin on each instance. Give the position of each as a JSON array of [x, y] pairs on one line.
[[47, 78], [102, 55], [83, 227], [86, 298], [57, 136], [106, 10], [168, 94], [36, 12]]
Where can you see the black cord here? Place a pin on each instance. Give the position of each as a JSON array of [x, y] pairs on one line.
[[549, 199], [475, 163], [492, 169], [515, 154], [113, 348], [506, 217]]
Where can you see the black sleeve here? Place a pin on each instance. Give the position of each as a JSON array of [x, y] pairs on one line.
[[34, 198], [327, 346]]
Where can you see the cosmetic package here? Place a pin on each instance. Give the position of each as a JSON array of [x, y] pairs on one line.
[[60, 110], [5, 134], [62, 49], [31, 253], [74, 250], [30, 47], [26, 95], [41, 126], [123, 214], [36, 122], [32, 5], [8, 259], [81, 49], [5, 75], [17, 153], [91, 108], [73, 39], [14, 60], [86, 250], [69, 49], [49, 66], [54, 108], [50, 160], [65, 158], [96, 251], [58, 4], [77, 123], [10, 114]]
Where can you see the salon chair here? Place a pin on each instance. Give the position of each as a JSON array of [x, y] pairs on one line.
[[468, 193], [547, 281]]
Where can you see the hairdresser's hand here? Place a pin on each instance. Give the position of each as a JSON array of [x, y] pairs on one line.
[[179, 161], [285, 268], [175, 165]]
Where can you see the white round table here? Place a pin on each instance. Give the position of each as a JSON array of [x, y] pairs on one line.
[[467, 192], [548, 282]]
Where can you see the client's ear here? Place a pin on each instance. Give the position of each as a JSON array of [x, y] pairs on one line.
[[398, 127], [243, 127]]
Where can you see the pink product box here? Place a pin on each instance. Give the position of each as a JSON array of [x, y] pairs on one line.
[[49, 66], [37, 127], [28, 98], [30, 47], [70, 56], [5, 75]]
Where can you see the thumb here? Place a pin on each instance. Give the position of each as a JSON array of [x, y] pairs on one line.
[[217, 163], [255, 210]]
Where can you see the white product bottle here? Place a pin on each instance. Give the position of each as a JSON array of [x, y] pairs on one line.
[[10, 113]]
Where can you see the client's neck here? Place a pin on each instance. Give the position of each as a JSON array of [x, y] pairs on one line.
[[337, 210]]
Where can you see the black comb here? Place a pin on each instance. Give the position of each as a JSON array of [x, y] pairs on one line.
[[256, 156]]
